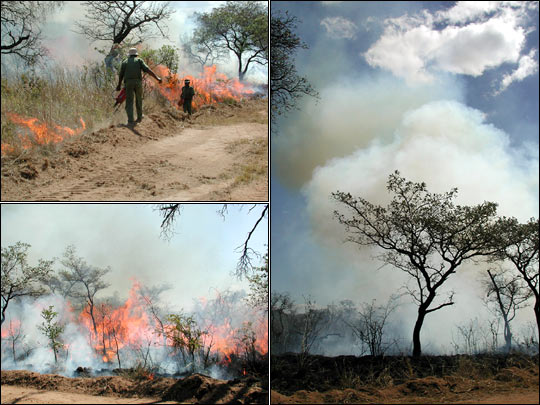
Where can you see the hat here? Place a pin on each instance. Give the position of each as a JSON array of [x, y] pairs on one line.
[[133, 52], [186, 80]]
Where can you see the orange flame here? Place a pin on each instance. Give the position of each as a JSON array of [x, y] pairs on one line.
[[39, 132], [210, 87]]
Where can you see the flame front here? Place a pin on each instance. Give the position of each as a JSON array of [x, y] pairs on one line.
[[39, 132], [210, 87]]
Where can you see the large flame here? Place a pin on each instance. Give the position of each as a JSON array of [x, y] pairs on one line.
[[210, 86], [39, 132]]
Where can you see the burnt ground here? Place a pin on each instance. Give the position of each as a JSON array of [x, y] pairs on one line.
[[218, 153], [399, 379], [196, 388]]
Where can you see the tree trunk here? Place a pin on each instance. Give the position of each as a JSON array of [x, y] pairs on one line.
[[507, 335], [417, 347], [537, 313]]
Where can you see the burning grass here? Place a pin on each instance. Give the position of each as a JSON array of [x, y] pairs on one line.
[[42, 112]]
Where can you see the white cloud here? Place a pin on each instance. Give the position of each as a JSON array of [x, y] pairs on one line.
[[476, 37], [528, 65], [339, 27]]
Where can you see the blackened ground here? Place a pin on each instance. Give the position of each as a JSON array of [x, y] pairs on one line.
[[485, 378]]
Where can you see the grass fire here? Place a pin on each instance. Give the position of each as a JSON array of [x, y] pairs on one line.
[[57, 317]]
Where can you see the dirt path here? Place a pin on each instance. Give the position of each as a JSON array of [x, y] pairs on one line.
[[194, 165], [160, 159], [23, 395]]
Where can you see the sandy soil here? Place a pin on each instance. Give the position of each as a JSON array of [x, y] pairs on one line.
[[22, 395], [218, 154]]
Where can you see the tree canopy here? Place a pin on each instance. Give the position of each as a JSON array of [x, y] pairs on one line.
[[423, 234], [237, 26], [19, 279]]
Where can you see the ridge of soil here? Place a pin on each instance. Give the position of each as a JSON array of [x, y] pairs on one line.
[[196, 388]]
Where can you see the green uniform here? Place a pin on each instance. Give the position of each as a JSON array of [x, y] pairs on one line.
[[187, 95], [131, 71]]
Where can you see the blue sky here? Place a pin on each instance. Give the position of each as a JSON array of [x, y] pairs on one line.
[[445, 92], [197, 259]]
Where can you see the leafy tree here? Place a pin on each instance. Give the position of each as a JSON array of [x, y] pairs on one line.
[[423, 234], [116, 20], [52, 330], [166, 55], [286, 86], [21, 32], [18, 278], [184, 335], [237, 26]]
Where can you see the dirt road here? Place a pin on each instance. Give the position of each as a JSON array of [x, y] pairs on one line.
[[160, 159], [23, 395]]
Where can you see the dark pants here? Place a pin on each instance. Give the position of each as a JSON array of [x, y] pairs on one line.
[[133, 90], [187, 106]]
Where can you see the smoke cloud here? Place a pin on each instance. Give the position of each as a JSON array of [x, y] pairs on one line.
[[364, 127]]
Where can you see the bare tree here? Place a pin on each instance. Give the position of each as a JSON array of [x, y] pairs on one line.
[[170, 212], [14, 334], [18, 278], [116, 20], [21, 32], [281, 310], [423, 234], [520, 246], [202, 52], [370, 327], [286, 86], [506, 293], [85, 281]]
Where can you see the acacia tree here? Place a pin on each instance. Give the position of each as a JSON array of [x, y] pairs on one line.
[[286, 86], [21, 31], [20, 279], [237, 26], [423, 234], [116, 20], [506, 293]]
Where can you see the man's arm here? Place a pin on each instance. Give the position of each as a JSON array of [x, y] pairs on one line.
[[146, 69]]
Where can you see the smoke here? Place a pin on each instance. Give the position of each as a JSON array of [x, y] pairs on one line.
[[362, 130]]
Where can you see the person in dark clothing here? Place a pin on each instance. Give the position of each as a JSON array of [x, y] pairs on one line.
[[187, 96], [131, 73]]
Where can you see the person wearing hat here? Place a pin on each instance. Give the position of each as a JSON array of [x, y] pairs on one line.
[[187, 96], [131, 73]]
